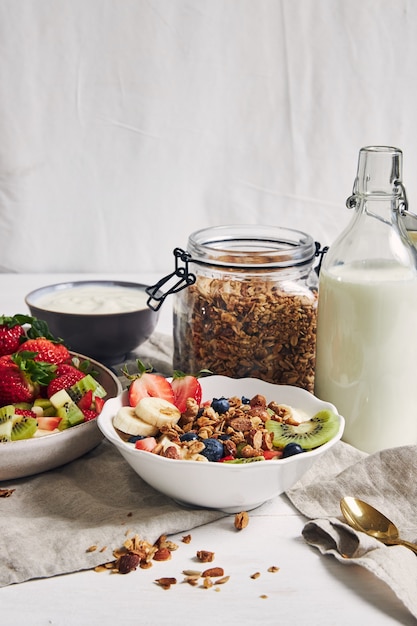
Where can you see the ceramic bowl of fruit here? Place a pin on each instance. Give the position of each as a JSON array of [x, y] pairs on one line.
[[50, 398], [106, 319], [218, 442]]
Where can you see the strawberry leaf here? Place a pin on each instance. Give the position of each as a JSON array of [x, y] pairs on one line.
[[38, 371]]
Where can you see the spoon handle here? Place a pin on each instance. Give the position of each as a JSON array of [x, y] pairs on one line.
[[403, 542]]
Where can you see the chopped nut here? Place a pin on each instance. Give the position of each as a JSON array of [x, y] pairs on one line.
[[213, 572], [207, 583], [205, 556], [186, 539], [166, 583], [241, 520], [163, 554], [128, 562]]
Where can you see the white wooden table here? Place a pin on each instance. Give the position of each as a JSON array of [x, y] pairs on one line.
[[308, 588]]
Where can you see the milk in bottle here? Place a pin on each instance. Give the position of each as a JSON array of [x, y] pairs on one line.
[[366, 330]]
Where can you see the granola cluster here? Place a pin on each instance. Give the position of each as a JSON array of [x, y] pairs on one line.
[[241, 429], [238, 328]]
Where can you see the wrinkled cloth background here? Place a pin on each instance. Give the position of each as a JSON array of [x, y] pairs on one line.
[[125, 126]]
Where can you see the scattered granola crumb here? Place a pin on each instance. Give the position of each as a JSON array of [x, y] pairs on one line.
[[166, 583], [241, 520], [213, 572], [91, 549], [222, 581], [129, 514], [207, 583], [256, 575], [205, 556], [128, 562], [263, 596], [273, 569], [103, 549], [186, 539], [6, 493]]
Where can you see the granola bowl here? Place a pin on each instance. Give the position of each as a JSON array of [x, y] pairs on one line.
[[27, 457], [227, 487]]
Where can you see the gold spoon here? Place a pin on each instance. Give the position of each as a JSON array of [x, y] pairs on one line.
[[366, 518]]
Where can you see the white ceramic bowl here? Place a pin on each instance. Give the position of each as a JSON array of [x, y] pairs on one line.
[[230, 488], [33, 456]]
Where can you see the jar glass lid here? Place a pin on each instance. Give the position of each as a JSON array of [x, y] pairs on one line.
[[251, 246]]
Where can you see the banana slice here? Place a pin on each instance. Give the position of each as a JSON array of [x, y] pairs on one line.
[[128, 422], [157, 411]]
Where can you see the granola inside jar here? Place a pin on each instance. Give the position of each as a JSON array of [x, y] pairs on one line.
[[251, 311]]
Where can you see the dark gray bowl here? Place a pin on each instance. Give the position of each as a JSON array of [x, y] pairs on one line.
[[107, 337]]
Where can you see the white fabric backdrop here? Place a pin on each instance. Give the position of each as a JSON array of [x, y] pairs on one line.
[[127, 124]]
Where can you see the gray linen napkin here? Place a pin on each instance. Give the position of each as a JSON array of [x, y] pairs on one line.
[[388, 481], [51, 520]]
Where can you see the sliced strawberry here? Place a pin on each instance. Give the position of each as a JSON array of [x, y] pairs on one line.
[[147, 444], [86, 401], [48, 423], [99, 403], [46, 350], [64, 381], [145, 384], [185, 386], [271, 454]]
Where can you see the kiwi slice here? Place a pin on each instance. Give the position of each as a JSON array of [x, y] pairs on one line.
[[309, 434], [70, 415], [24, 427], [48, 409], [80, 388], [6, 422]]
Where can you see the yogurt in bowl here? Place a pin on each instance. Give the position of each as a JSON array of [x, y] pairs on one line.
[[94, 298], [104, 319]]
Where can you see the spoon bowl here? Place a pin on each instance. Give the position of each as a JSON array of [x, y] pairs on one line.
[[365, 518]]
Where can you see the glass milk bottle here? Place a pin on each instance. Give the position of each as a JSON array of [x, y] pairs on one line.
[[366, 351]]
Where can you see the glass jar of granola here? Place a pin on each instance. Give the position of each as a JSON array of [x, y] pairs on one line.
[[249, 306]]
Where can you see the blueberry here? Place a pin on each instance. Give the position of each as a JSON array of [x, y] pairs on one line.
[[291, 449], [190, 436], [245, 400], [135, 438], [220, 405], [213, 450]]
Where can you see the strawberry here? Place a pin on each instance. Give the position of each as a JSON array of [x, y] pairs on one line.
[[21, 377], [147, 444], [65, 368], [89, 414], [146, 383], [64, 381], [26, 412], [47, 350], [48, 423], [185, 386], [11, 334]]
